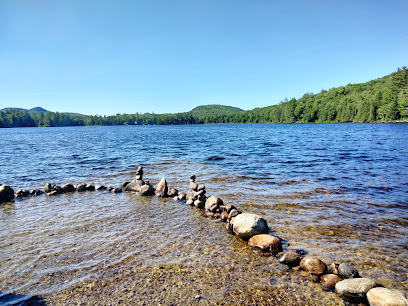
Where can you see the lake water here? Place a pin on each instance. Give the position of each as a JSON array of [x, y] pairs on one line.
[[338, 191]]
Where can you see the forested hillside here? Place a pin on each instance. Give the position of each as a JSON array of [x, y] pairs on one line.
[[384, 99]]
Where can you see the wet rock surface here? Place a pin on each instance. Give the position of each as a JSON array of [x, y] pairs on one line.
[[246, 225], [313, 265], [6, 193], [386, 297], [354, 290], [346, 270], [266, 242], [329, 281], [291, 259]]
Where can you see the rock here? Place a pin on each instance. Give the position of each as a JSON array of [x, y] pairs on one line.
[[58, 189], [53, 192], [182, 196], [199, 204], [100, 187], [230, 207], [190, 202], [354, 290], [161, 188], [213, 203], [329, 281], [230, 227], [266, 242], [313, 265], [291, 259], [247, 225], [68, 188], [224, 216], [233, 213], [90, 187], [147, 190], [201, 187], [22, 193], [334, 268], [125, 183], [6, 193], [81, 187], [172, 192], [193, 186], [116, 190], [192, 178], [134, 186], [36, 192], [386, 297], [47, 187], [347, 271]]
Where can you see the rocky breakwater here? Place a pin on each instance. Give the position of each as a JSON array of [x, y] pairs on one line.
[[343, 278]]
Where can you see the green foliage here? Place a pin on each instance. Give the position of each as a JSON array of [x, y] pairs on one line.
[[384, 99]]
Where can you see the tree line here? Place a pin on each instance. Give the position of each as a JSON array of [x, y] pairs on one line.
[[384, 99]]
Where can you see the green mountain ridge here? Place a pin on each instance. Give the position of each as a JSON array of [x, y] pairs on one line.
[[382, 100], [34, 110]]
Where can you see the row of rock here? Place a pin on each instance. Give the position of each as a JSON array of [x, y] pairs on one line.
[[343, 278]]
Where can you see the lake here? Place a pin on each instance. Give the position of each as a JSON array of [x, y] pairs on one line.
[[338, 191]]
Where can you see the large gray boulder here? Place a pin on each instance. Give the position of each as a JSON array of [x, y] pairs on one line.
[[135, 186], [6, 193], [386, 297], [354, 290], [246, 225]]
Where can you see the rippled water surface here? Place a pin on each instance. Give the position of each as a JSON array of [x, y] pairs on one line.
[[339, 191]]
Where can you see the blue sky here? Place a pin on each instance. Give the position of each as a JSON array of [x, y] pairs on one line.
[[107, 57]]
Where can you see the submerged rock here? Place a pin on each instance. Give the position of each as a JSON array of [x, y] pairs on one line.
[[266, 242], [386, 297], [246, 225], [182, 196], [354, 290], [291, 259], [100, 187], [6, 193], [313, 265], [329, 281], [347, 271]]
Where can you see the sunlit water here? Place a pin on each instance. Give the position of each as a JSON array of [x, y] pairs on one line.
[[339, 191]]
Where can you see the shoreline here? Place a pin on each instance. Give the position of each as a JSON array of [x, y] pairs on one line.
[[217, 213]]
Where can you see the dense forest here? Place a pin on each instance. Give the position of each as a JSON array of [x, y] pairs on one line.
[[380, 100]]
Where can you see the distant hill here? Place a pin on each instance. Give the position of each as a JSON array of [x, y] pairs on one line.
[[215, 109], [35, 110]]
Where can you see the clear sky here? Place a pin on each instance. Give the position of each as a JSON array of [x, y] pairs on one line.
[[107, 57]]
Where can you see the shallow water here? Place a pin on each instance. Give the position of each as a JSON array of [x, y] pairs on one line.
[[339, 191]]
